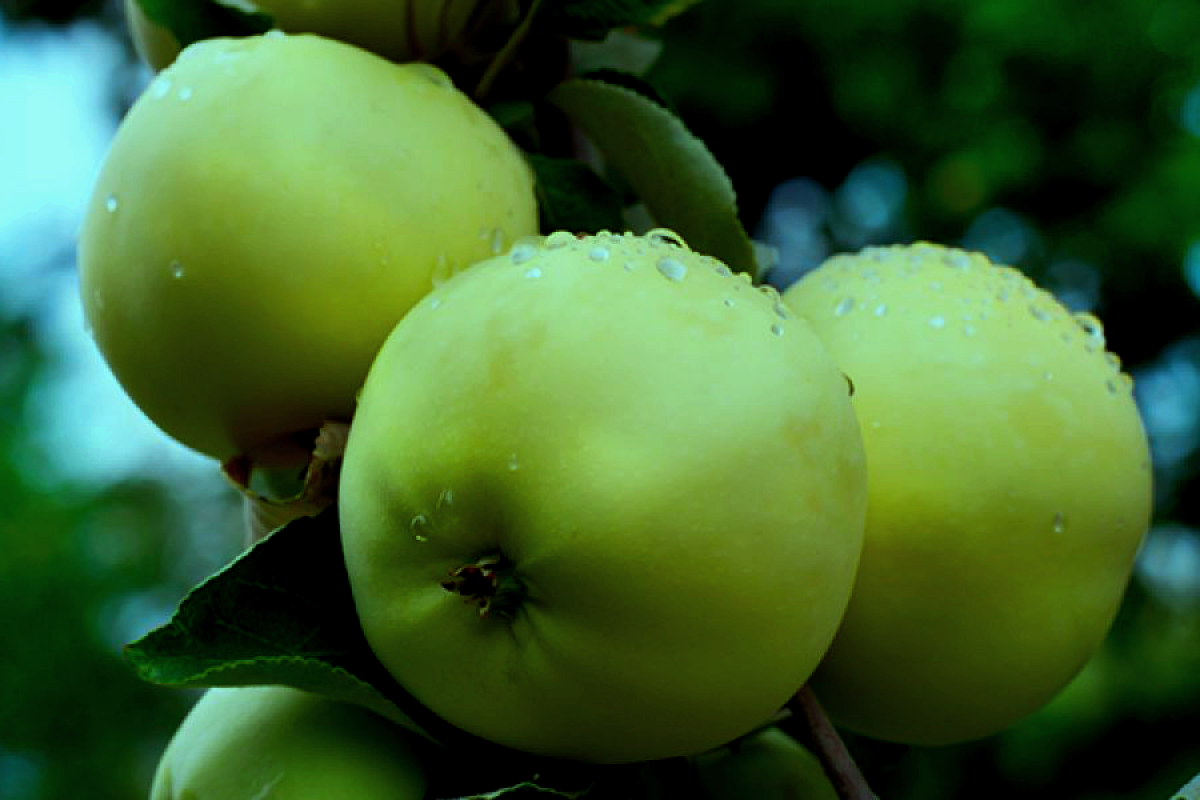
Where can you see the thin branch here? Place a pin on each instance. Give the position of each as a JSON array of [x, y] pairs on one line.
[[839, 765]]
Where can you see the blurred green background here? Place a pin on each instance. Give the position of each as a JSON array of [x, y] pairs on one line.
[[1060, 136]]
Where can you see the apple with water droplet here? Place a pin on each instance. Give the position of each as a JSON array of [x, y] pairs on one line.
[[269, 208], [602, 500], [1009, 489]]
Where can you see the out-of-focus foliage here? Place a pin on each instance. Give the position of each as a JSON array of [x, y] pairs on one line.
[[1061, 137]]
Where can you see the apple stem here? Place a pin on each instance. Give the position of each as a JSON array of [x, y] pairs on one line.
[[828, 746], [489, 583]]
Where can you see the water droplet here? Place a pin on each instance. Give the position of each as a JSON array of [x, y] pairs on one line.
[[1112, 360], [110, 203], [629, 266], [445, 498], [728, 301], [1125, 381], [177, 270], [881, 309], [513, 463], [1092, 328], [957, 259], [533, 272], [499, 240], [161, 87], [937, 286], [559, 239], [441, 270], [937, 322], [185, 93], [432, 74], [1002, 295], [777, 329], [781, 311], [1111, 385], [1039, 313], [969, 330], [666, 236], [723, 271], [598, 253], [274, 33], [522, 253], [1060, 522], [435, 303], [843, 307], [420, 527], [672, 269]]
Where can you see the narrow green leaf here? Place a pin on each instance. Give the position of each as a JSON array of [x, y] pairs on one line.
[[572, 197], [592, 19], [193, 20], [281, 613], [669, 169]]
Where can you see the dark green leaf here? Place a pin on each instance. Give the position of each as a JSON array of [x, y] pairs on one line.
[[592, 19], [669, 169], [572, 197], [281, 613], [193, 20]]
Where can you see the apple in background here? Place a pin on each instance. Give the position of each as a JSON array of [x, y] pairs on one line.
[[1009, 489]]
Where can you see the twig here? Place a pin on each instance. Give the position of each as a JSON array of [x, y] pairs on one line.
[[839, 765]]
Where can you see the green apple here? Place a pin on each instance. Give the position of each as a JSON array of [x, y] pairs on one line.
[[270, 207], [409, 30], [1010, 487], [602, 500], [280, 743], [769, 765]]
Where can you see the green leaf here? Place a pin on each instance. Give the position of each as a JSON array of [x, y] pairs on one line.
[[281, 613], [592, 19], [572, 197], [669, 169], [193, 20]]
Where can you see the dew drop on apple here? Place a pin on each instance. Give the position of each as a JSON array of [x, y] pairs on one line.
[[161, 87], [844, 306], [937, 322], [880, 309], [499, 239], [599, 254], [728, 301], [513, 463], [558, 240], [672, 269], [1039, 313], [420, 528], [177, 270], [110, 203], [522, 253], [1060, 522], [185, 93], [777, 329], [533, 272]]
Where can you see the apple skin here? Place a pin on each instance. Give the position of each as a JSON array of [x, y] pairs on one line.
[[410, 30], [1010, 488], [248, 743], [269, 208], [665, 456], [768, 765]]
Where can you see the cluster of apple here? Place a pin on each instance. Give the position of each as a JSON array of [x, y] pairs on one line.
[[602, 499]]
